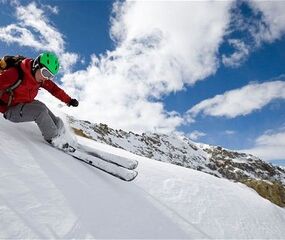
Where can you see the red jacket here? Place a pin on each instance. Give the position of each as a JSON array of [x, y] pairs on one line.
[[28, 89]]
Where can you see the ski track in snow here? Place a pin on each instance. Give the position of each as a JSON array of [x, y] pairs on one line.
[[45, 193]]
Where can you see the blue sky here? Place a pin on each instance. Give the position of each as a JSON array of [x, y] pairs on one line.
[[212, 70]]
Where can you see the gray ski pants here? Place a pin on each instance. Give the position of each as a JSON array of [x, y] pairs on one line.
[[50, 125]]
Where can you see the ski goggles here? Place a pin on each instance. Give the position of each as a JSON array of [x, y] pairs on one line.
[[46, 73]]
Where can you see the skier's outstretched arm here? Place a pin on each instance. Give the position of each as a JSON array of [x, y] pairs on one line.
[[59, 93]]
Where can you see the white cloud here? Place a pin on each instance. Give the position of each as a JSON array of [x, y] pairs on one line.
[[188, 44], [53, 9], [269, 146], [272, 26], [239, 56], [265, 25], [161, 46], [195, 135], [240, 101], [67, 60], [111, 95], [230, 132], [34, 30]]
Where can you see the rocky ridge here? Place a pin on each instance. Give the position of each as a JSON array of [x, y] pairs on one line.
[[180, 150]]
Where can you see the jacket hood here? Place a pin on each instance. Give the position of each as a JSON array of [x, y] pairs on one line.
[[26, 66]]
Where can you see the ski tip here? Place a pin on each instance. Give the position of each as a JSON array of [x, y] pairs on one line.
[[131, 178]]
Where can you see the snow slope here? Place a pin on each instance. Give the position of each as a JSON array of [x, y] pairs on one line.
[[45, 193]]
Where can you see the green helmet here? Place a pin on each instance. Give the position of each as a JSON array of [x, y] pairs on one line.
[[50, 61]]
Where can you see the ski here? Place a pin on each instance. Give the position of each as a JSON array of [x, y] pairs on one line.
[[107, 167], [130, 164], [115, 170]]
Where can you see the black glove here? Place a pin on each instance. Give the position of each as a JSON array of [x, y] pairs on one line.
[[73, 102]]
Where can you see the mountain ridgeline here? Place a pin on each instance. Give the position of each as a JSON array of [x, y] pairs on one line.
[[266, 179]]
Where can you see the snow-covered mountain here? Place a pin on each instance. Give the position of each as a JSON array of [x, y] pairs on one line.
[[180, 150], [44, 194]]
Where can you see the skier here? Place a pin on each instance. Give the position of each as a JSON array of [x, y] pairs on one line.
[[18, 103]]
